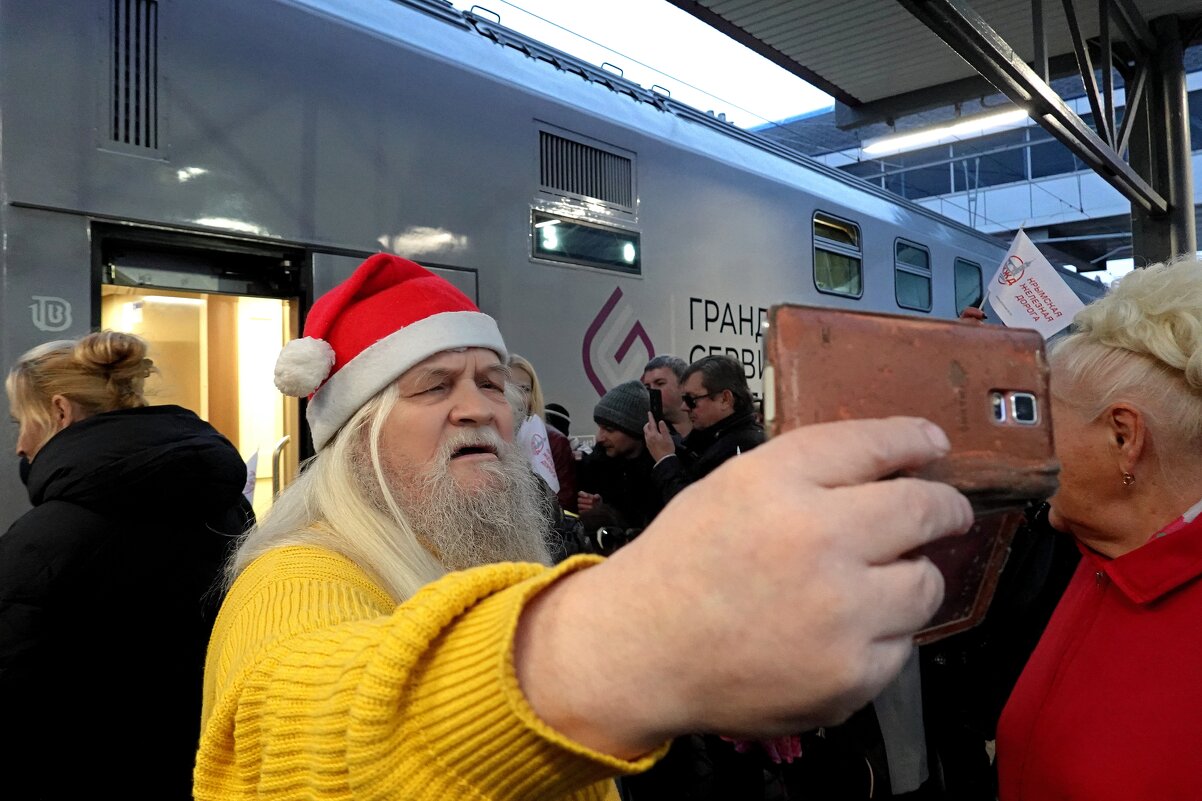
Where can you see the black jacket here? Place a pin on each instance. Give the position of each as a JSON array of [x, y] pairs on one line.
[[108, 592], [703, 450], [624, 485]]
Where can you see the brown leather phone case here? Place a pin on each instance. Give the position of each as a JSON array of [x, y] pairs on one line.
[[985, 386]]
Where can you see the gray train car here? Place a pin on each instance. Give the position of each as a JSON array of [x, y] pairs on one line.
[[197, 171]]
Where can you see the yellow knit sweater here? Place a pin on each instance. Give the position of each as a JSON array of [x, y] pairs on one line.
[[318, 686]]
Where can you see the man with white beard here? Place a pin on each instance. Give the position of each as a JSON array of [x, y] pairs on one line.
[[350, 661]]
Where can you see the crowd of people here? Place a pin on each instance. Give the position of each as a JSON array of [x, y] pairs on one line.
[[451, 602]]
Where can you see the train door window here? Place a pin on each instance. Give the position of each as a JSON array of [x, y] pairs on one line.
[[912, 276], [214, 338], [968, 284], [838, 256], [555, 237]]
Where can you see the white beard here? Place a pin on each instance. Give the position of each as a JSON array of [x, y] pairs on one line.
[[503, 519]]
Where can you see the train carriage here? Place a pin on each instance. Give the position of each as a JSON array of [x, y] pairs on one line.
[[197, 171]]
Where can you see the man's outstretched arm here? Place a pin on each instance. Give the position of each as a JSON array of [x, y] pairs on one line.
[[769, 598]]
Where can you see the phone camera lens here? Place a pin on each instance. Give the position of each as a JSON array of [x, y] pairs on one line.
[[1024, 409]]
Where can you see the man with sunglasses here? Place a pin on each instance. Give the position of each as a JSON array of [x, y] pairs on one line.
[[719, 405]]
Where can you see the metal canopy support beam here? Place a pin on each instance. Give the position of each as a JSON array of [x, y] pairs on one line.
[[889, 109], [1160, 148], [978, 44]]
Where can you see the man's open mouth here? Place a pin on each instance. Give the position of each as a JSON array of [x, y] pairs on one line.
[[473, 450]]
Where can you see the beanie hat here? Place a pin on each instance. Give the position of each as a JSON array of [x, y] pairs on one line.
[[369, 330], [558, 416], [624, 407]]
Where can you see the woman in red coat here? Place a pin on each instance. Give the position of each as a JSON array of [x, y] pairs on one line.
[[1109, 705]]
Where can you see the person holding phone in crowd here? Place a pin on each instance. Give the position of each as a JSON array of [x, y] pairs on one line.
[[715, 395], [665, 374]]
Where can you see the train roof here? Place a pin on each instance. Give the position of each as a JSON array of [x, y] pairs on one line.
[[375, 17]]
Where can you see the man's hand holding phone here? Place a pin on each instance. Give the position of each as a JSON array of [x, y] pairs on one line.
[[659, 441]]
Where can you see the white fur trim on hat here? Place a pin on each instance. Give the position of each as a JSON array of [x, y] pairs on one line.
[[360, 379], [302, 365]]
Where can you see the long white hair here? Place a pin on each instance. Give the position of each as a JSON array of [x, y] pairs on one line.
[[331, 495]]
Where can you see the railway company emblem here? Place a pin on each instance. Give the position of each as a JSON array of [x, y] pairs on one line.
[[609, 342], [50, 314], [1012, 271]]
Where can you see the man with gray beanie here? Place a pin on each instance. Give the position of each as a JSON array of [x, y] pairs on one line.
[[618, 473]]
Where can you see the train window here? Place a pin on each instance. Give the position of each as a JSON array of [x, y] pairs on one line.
[[838, 256], [968, 284], [558, 238], [912, 276]]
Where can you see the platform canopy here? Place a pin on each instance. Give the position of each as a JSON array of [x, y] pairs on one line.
[[884, 59], [877, 52]]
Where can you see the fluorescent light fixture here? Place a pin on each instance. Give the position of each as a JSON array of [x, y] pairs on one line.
[[931, 136], [546, 223]]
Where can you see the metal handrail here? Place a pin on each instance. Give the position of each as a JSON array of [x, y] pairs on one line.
[[275, 465]]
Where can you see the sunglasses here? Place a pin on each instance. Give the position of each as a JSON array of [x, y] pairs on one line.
[[691, 400]]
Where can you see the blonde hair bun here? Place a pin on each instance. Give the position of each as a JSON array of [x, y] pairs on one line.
[[120, 357]]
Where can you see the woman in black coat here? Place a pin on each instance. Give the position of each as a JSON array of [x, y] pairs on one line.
[[107, 585]]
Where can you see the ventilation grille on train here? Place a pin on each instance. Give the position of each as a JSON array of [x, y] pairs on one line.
[[135, 73], [589, 172]]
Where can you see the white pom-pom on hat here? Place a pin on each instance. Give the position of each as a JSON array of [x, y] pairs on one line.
[[302, 365]]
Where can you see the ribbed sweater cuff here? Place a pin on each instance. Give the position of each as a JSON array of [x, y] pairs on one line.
[[466, 693]]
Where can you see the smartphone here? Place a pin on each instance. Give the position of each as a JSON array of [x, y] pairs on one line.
[[657, 404], [986, 386]]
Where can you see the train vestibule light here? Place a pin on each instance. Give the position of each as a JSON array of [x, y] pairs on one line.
[[931, 136], [171, 300], [628, 252]]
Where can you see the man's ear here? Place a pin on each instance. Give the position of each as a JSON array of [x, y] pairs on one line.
[[1128, 430], [64, 412]]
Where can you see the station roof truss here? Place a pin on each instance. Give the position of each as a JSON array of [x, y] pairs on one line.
[[882, 59]]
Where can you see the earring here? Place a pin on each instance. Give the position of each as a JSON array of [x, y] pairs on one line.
[[1128, 479]]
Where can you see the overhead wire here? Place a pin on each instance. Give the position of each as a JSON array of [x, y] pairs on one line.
[[634, 60]]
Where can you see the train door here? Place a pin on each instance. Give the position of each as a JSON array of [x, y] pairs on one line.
[[215, 314]]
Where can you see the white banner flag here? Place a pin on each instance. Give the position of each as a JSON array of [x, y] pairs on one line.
[[1027, 292], [533, 440]]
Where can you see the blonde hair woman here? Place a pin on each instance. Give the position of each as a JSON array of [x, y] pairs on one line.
[[525, 379], [1109, 705], [106, 584]]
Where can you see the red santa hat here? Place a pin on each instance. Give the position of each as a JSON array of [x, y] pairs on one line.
[[366, 332]]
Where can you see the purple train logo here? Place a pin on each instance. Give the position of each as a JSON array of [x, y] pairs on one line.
[[608, 344]]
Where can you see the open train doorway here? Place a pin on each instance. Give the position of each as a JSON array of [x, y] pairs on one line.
[[215, 319]]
